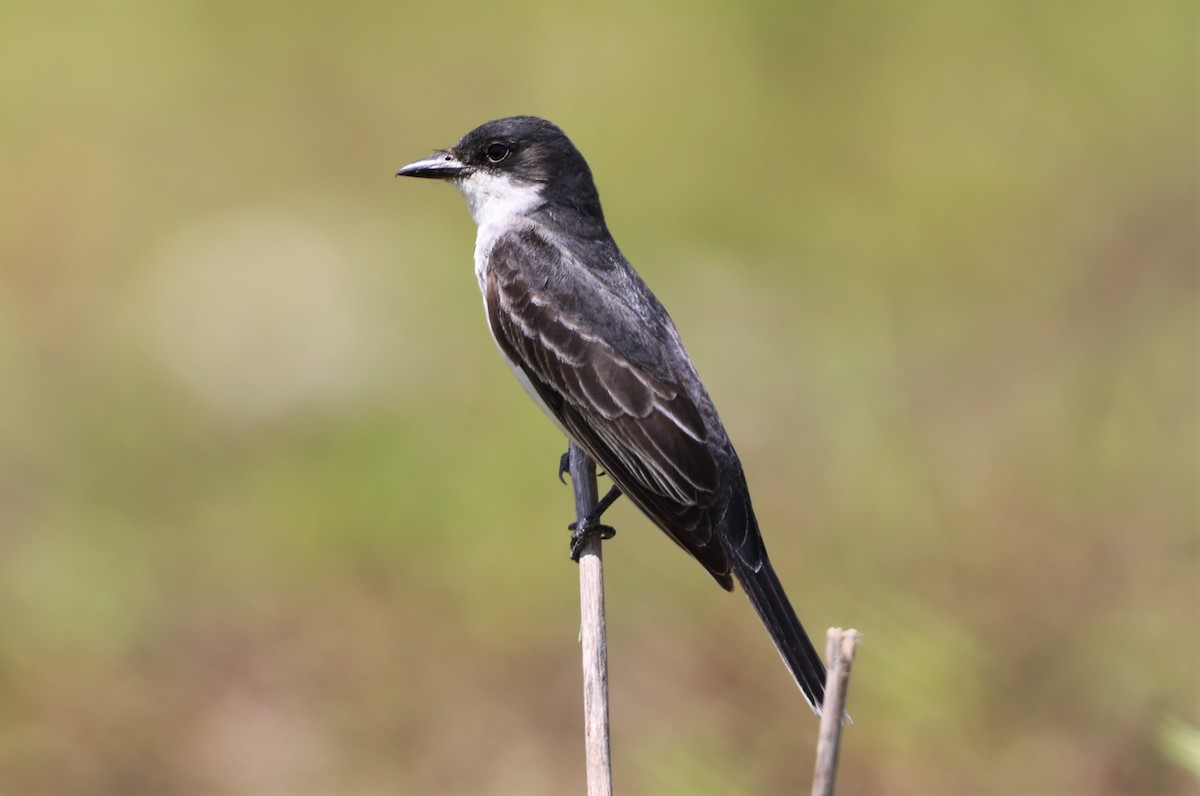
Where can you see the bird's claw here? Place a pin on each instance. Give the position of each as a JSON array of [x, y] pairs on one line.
[[580, 532], [564, 466]]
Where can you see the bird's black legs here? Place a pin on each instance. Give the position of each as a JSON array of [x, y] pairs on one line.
[[591, 523]]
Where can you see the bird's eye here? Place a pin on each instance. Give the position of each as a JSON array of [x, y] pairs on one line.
[[497, 152]]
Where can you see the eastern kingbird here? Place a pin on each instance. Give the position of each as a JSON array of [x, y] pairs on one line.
[[598, 353]]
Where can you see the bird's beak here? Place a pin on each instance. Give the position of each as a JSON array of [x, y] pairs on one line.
[[442, 166]]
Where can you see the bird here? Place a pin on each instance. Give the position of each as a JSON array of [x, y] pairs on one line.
[[597, 352]]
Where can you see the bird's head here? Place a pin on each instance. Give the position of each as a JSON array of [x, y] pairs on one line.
[[514, 166]]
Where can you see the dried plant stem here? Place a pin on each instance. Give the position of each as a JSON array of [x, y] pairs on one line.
[[839, 654], [592, 635]]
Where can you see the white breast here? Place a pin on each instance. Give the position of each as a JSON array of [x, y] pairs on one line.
[[498, 204]]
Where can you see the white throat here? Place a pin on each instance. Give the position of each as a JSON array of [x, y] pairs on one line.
[[498, 198], [497, 203]]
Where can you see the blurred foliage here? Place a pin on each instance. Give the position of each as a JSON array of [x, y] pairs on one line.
[[275, 519]]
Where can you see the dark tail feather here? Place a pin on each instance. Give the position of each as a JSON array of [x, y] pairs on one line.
[[766, 595]]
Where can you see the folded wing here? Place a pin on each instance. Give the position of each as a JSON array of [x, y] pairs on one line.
[[635, 419]]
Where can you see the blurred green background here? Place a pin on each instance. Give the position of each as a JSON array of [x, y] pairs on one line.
[[275, 518]]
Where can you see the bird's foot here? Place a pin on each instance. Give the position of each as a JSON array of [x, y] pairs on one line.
[[580, 532], [591, 523]]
